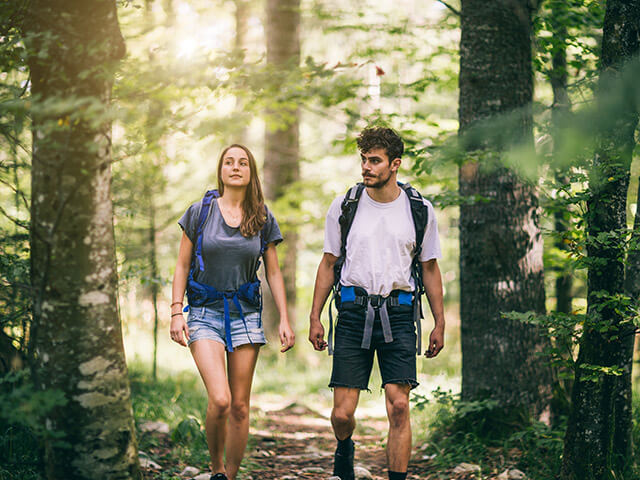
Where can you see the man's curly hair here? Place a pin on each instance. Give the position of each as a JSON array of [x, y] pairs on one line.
[[381, 137]]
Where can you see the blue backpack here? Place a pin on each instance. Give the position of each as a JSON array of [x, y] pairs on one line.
[[200, 294]]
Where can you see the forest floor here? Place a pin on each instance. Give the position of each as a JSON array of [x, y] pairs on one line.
[[297, 442]]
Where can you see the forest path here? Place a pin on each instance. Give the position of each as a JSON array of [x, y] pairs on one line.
[[297, 442]]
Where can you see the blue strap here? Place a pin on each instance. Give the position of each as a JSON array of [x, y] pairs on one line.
[[227, 319], [347, 294], [227, 324], [204, 213]]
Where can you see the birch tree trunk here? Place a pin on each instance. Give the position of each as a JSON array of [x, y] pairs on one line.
[[601, 402], [501, 266], [76, 335]]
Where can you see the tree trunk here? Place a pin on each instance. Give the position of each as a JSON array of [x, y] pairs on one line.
[[154, 280], [559, 112], [501, 266], [281, 163], [601, 414], [77, 335], [243, 8], [622, 408]]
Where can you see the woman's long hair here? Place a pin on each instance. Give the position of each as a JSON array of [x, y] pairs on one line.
[[253, 209]]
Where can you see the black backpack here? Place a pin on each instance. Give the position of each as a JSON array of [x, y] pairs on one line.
[[419, 214]]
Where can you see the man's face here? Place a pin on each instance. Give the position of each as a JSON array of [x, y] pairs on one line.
[[376, 168]]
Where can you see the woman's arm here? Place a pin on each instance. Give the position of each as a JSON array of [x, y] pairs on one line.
[[178, 323], [276, 284]]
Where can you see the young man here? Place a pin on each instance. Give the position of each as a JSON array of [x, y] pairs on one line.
[[375, 304]]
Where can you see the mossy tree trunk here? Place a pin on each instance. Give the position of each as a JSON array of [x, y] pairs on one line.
[[597, 441], [76, 336], [501, 266]]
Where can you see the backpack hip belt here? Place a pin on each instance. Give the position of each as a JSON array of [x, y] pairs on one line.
[[377, 303], [200, 295]]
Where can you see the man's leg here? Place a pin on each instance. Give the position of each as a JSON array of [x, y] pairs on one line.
[[345, 401], [343, 420], [399, 442]]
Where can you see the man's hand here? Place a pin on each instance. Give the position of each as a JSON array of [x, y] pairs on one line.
[[436, 342], [316, 335]]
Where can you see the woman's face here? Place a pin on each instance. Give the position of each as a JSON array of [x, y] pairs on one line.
[[235, 171]]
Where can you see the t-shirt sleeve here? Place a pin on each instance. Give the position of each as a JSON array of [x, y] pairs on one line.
[[431, 241], [189, 221], [332, 236], [272, 229]]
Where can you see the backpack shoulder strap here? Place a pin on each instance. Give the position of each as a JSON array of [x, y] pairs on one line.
[[419, 214], [348, 212], [420, 217], [205, 207], [263, 233]]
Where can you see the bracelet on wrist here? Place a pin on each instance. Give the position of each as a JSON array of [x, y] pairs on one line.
[[174, 314], [175, 303]]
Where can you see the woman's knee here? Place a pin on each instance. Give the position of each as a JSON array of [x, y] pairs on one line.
[[219, 405], [239, 411]]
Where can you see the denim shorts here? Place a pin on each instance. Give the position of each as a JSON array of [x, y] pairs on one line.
[[206, 322], [397, 359]]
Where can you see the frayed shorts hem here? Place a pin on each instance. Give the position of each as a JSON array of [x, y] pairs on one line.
[[402, 381], [345, 385], [239, 344]]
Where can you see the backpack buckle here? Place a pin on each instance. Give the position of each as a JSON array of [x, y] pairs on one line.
[[376, 300]]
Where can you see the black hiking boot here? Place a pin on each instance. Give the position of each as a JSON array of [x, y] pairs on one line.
[[343, 462], [218, 476]]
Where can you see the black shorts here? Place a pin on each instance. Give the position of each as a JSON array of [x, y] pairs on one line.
[[397, 359]]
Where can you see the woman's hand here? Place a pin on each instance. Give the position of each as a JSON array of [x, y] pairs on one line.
[[178, 327], [287, 337]]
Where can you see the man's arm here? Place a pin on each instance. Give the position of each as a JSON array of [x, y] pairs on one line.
[[432, 280], [321, 290]]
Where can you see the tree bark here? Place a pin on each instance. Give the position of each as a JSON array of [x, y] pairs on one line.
[[601, 414], [77, 334], [243, 9], [501, 266], [281, 163], [559, 113]]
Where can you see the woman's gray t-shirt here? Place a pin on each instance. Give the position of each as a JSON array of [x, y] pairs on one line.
[[230, 259]]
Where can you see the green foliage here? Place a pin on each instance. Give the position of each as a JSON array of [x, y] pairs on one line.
[[23, 426], [483, 433], [189, 432], [179, 401], [574, 26]]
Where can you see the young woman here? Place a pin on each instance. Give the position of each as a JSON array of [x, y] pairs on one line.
[[224, 236]]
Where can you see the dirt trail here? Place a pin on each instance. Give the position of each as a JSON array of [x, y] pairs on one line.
[[297, 442]]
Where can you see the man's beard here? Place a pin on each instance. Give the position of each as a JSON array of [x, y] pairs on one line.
[[380, 183]]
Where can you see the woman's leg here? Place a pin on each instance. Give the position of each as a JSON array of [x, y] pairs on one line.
[[209, 357], [242, 363]]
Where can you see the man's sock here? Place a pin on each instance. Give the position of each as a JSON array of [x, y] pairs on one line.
[[397, 475], [345, 446]]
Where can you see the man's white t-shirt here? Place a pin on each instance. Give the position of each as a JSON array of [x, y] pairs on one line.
[[380, 244]]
